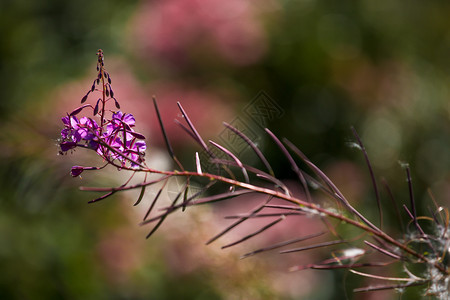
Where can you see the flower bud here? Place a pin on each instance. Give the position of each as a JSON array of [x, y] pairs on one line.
[[66, 146], [76, 171], [117, 103], [96, 106]]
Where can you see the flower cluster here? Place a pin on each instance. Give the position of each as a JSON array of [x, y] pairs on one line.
[[114, 139], [121, 142]]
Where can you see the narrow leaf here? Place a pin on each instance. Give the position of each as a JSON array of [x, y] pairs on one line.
[[282, 244], [253, 146], [163, 131], [191, 125], [141, 195], [387, 287], [234, 157], [256, 210], [338, 194], [102, 197], [325, 244], [255, 233], [167, 213], [197, 163], [372, 176], [294, 165], [384, 251], [153, 203]]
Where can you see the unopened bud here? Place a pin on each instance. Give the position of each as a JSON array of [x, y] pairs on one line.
[[117, 103], [76, 171], [96, 107]]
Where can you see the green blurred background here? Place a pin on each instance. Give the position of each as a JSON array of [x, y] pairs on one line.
[[380, 66]]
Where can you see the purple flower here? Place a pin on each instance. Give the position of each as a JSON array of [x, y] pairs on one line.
[[125, 118], [76, 131], [118, 141]]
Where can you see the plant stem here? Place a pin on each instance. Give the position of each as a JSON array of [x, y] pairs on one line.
[[379, 233]]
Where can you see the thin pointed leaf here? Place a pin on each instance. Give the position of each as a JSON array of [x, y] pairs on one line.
[[411, 197], [346, 266], [290, 207], [215, 198], [173, 208], [384, 251], [294, 165], [338, 194], [320, 245], [191, 125], [198, 164], [372, 176], [123, 188], [187, 131], [387, 287], [394, 203], [256, 210], [383, 277], [153, 203], [276, 182], [141, 195], [234, 157], [253, 146], [163, 130], [161, 220], [266, 215], [282, 244], [255, 233], [102, 197], [185, 195]]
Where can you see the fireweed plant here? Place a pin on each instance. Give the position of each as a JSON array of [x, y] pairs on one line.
[[420, 255]]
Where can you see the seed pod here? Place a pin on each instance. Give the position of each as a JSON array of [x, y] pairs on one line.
[[109, 79], [93, 87], [107, 92], [84, 98], [112, 92]]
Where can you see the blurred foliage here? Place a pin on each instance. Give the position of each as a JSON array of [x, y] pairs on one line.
[[380, 66]]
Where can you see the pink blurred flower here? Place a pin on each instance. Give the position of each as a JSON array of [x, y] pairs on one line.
[[171, 29]]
